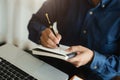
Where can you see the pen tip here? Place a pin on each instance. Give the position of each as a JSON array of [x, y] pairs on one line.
[[58, 45]]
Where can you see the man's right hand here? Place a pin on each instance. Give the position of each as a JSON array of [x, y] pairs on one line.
[[48, 39]]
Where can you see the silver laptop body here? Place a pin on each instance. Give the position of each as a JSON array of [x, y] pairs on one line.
[[31, 65]]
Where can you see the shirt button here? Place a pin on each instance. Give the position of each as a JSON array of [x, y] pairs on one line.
[[95, 67], [103, 6], [90, 12], [84, 31]]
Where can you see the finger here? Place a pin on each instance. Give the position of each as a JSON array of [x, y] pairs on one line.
[[48, 42], [76, 64], [48, 45], [47, 33], [73, 49], [54, 38], [59, 37], [43, 42], [76, 49], [76, 78], [77, 60]]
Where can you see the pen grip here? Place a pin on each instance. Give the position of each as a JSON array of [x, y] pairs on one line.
[[53, 31]]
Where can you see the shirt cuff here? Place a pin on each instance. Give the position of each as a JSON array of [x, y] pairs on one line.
[[98, 62]]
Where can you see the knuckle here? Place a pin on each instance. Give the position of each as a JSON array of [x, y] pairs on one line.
[[41, 38], [47, 41], [72, 48], [47, 45], [78, 64]]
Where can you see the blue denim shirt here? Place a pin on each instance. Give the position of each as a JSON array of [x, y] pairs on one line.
[[80, 23]]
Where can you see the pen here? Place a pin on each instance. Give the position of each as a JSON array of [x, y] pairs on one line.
[[51, 27], [71, 55]]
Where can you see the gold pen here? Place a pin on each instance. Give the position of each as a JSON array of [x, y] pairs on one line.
[[51, 27]]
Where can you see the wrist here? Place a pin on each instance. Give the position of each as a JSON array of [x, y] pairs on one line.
[[92, 56]]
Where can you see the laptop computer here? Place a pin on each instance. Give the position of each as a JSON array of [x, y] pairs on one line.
[[15, 62]]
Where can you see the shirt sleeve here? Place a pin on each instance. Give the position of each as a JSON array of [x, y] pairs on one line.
[[106, 66], [39, 21]]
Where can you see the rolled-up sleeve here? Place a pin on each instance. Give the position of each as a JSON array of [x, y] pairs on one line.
[[106, 66]]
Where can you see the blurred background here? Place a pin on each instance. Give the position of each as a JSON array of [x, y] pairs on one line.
[[14, 18]]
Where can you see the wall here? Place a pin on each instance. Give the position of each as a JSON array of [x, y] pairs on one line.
[[14, 18]]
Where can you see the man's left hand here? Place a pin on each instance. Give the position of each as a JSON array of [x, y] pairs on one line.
[[84, 55]]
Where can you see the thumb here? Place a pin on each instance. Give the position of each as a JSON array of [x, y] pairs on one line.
[[59, 37], [76, 49]]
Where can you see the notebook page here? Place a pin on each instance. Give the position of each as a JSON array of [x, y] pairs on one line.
[[59, 50]]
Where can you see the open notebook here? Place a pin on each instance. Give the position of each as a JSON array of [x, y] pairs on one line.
[[56, 53]]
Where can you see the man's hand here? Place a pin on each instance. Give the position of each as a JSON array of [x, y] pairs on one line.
[[48, 39], [76, 78], [84, 55]]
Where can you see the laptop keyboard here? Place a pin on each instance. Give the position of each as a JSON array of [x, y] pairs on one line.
[[10, 72]]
